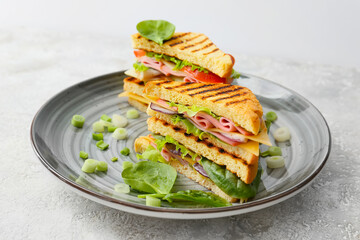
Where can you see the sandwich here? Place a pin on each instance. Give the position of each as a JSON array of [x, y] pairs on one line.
[[211, 133], [185, 57]]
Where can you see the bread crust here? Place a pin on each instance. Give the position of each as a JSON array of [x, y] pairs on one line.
[[140, 146], [235, 150], [234, 102], [195, 48], [206, 149]]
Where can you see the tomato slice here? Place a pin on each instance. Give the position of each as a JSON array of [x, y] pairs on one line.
[[204, 77], [139, 53]]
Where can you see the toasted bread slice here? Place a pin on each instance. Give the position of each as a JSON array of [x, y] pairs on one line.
[[140, 146], [235, 150], [192, 47], [138, 105], [234, 102], [206, 149], [134, 85]]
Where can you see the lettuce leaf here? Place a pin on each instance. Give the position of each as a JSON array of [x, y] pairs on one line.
[[190, 128], [151, 154], [192, 110], [179, 63], [140, 67], [235, 74]]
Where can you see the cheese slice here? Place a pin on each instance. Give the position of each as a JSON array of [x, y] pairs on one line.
[[134, 96], [251, 147]]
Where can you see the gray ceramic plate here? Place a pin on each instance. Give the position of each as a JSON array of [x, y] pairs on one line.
[[57, 144]]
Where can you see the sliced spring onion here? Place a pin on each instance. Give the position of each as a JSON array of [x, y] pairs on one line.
[[132, 114], [98, 127], [111, 128], [125, 151], [153, 202], [84, 155], [114, 159], [267, 124], [119, 134], [119, 121], [102, 166], [122, 188], [275, 161], [272, 151], [105, 118], [271, 116], [282, 134], [89, 165], [127, 164], [98, 136], [78, 121], [102, 145]]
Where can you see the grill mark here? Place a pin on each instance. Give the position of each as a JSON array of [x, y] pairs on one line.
[[237, 101], [216, 49], [165, 124], [209, 145], [198, 140], [204, 47], [216, 94], [228, 97], [190, 89], [178, 36], [220, 150], [195, 44], [173, 44], [139, 36], [189, 40], [176, 128], [180, 85], [162, 82], [210, 90]]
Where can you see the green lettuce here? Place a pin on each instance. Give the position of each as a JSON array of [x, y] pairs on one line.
[[140, 67], [192, 110], [190, 128], [235, 74], [179, 63], [151, 154]]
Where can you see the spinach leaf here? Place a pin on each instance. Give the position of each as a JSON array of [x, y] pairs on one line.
[[140, 67], [198, 196], [156, 30], [229, 182], [150, 177]]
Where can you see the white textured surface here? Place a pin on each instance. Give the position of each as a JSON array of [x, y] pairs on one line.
[[35, 205]]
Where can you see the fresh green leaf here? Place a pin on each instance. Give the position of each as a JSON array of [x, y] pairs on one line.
[[192, 110], [150, 177], [156, 30], [140, 67], [229, 182], [125, 151], [190, 128], [268, 125], [198, 196], [179, 64], [151, 154], [235, 74]]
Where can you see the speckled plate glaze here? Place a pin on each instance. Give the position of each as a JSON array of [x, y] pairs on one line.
[[57, 144]]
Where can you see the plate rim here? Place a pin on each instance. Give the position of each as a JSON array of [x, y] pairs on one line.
[[147, 210]]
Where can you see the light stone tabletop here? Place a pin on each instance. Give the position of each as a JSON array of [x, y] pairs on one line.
[[35, 65]]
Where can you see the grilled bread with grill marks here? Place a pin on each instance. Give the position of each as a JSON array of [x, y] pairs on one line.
[[195, 48], [234, 102], [248, 157], [134, 85], [206, 149], [140, 146]]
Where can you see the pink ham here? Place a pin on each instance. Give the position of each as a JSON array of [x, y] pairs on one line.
[[167, 155], [160, 66]]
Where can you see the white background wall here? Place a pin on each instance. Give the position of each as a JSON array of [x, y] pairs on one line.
[[323, 31]]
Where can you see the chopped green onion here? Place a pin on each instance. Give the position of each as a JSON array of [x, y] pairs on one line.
[[282, 134], [106, 123], [102, 145], [105, 118], [114, 159], [275, 162], [153, 202], [127, 164], [120, 133], [267, 124], [125, 151], [122, 188], [119, 121], [98, 127], [89, 165], [78, 121], [271, 116], [272, 151], [98, 136], [102, 166], [84, 155], [132, 114], [111, 128]]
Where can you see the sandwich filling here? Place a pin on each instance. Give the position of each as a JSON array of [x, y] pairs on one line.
[[150, 65], [207, 122], [166, 149]]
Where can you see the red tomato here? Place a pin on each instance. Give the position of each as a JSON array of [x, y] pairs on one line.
[[204, 77], [139, 53]]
